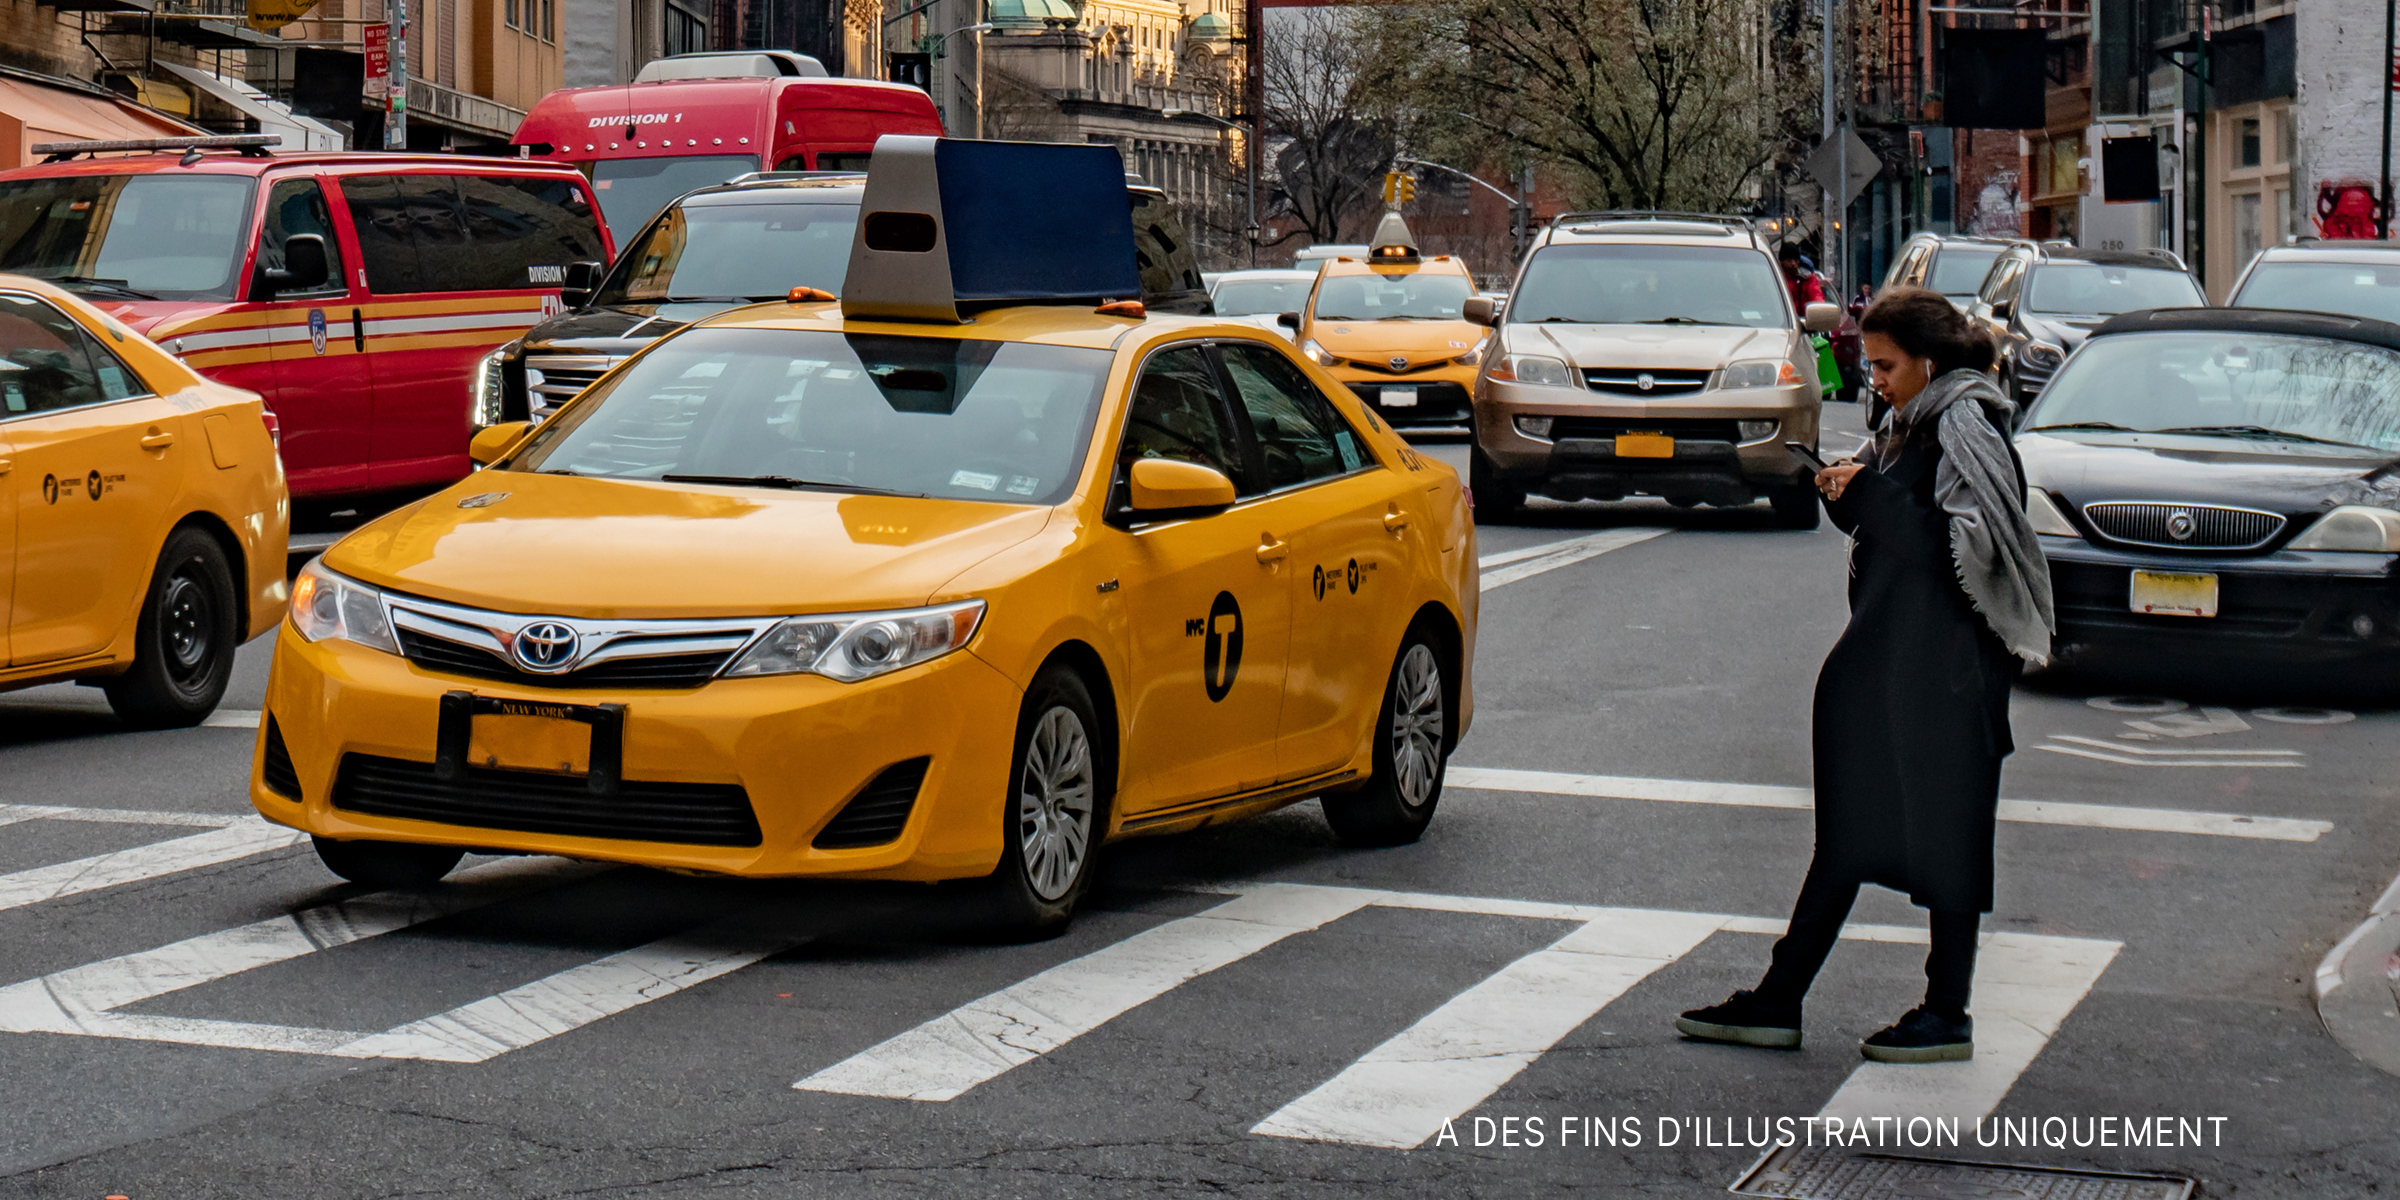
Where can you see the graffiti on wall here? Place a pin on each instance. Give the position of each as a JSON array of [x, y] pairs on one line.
[[1999, 209], [2346, 209]]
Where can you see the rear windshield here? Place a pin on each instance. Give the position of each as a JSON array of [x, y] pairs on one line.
[[953, 418], [2351, 289], [735, 252], [1410, 297], [163, 237], [632, 190], [1959, 270], [1249, 297], [2097, 289], [2238, 386], [1652, 285]]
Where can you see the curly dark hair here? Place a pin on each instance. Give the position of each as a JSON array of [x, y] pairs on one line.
[[1925, 325]]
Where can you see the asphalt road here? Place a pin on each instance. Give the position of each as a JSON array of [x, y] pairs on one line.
[[1630, 841]]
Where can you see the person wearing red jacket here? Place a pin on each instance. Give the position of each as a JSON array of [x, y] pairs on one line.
[[1807, 287]]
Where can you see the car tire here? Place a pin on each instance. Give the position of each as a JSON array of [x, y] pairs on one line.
[[1412, 753], [1796, 506], [184, 640], [387, 864], [1056, 811], [1495, 502]]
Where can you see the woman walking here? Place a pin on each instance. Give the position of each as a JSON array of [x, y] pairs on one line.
[[1949, 595]]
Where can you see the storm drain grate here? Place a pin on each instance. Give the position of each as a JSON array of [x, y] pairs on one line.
[[1827, 1173]]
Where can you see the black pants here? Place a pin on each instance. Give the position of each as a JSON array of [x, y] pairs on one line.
[[1817, 916]]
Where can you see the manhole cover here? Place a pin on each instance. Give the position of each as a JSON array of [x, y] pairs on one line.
[[1822, 1173]]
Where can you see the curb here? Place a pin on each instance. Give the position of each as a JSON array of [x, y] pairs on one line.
[[2358, 986]]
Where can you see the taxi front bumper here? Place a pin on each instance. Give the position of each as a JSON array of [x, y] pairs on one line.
[[737, 777], [1443, 395]]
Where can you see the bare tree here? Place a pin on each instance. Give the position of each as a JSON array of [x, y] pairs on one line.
[[1331, 84]]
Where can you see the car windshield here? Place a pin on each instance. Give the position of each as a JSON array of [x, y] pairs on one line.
[[1413, 296], [735, 252], [163, 237], [1651, 285], [2351, 289], [957, 418], [2099, 289], [1959, 270], [1249, 297], [632, 190], [2259, 387]]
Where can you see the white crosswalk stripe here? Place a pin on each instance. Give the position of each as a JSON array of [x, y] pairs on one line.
[[240, 838]]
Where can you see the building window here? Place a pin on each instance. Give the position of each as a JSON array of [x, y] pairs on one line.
[[686, 32], [2245, 229], [2250, 155], [509, 14], [549, 20]]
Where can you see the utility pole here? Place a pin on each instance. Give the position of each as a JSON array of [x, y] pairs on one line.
[[395, 126], [1828, 231], [2383, 210], [1254, 99]]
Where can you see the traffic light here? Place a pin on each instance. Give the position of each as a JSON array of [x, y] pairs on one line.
[[1398, 188]]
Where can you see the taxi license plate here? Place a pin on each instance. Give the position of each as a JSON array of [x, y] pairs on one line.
[[1645, 445], [529, 742], [487, 732], [1399, 397], [2174, 594]]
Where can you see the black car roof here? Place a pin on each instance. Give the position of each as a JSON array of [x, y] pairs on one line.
[[2254, 320]]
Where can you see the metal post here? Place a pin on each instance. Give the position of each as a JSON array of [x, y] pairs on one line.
[[983, 21], [1826, 230], [1254, 98], [2383, 211], [395, 126]]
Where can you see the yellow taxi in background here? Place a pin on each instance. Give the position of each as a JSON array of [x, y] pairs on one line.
[[143, 516], [807, 589], [1393, 328]]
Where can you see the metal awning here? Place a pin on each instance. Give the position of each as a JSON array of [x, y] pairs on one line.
[[71, 111], [199, 34], [299, 132]]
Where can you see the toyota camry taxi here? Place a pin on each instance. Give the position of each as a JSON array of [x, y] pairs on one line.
[[1393, 328], [142, 513], [956, 579]]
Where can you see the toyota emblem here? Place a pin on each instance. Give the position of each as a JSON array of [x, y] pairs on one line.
[[546, 646], [1399, 363], [1645, 381], [2180, 526]]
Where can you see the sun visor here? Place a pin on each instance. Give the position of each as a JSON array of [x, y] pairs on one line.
[[950, 226]]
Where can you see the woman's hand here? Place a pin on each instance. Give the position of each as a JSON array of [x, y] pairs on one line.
[[1833, 479]]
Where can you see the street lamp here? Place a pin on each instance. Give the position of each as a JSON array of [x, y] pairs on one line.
[[1515, 203], [1237, 127], [935, 50]]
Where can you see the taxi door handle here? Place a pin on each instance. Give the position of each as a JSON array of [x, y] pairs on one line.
[[5, 465], [1395, 521], [157, 439], [1272, 549]]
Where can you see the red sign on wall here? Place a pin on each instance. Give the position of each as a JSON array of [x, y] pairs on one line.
[[379, 58]]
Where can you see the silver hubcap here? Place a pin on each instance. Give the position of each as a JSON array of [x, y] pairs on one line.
[[1054, 803], [1417, 725]]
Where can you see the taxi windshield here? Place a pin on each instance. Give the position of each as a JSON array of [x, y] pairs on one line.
[[1250, 297], [1651, 285], [955, 418], [1410, 297], [2239, 386], [735, 252], [141, 237], [632, 190]]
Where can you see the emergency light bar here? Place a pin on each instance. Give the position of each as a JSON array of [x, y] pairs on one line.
[[252, 145], [949, 226]]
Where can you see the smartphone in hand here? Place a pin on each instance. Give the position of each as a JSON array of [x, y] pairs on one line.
[[1807, 454]]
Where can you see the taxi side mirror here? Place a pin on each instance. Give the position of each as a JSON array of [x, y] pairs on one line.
[[492, 441], [582, 279], [1289, 320], [1482, 310], [1163, 489], [304, 267], [1821, 318]]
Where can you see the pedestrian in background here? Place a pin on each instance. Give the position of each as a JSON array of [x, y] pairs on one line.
[[1807, 288], [1949, 597]]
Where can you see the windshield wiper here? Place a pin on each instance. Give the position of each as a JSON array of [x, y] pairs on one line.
[[113, 285], [786, 482], [2260, 431], [559, 471], [1684, 321], [2110, 425]]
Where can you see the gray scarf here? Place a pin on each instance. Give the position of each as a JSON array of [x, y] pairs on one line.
[[1992, 545]]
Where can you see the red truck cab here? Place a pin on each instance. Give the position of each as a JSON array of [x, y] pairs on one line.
[[693, 120]]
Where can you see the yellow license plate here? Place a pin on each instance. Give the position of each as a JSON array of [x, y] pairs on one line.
[[1645, 445], [530, 742], [2174, 594]]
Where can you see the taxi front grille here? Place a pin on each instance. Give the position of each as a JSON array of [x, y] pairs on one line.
[[698, 814], [879, 812], [656, 671]]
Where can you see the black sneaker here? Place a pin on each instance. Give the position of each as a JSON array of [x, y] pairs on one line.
[[1744, 1020], [1922, 1037]]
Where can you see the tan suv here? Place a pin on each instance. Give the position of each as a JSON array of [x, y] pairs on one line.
[[1650, 354]]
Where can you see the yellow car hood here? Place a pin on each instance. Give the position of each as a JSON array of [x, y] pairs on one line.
[[579, 547], [1417, 341]]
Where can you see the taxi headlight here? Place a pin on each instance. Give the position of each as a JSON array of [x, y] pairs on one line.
[[1532, 368], [855, 646], [1759, 373], [2043, 514], [328, 607], [1322, 356], [484, 390], [2353, 527]]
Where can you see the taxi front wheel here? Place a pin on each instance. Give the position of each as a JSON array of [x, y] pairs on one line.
[[1412, 750], [1055, 812], [184, 640], [387, 864]]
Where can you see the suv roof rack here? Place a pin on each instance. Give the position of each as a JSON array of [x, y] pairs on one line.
[[252, 145], [1653, 214]]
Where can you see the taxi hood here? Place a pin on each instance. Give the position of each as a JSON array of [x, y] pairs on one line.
[[1695, 347], [1419, 341], [602, 548]]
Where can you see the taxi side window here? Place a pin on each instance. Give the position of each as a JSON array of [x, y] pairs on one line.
[[1177, 413], [298, 206], [48, 362], [1301, 438]]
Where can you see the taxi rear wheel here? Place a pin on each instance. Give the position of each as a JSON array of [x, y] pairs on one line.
[[1412, 751], [387, 864], [1056, 809], [184, 640]]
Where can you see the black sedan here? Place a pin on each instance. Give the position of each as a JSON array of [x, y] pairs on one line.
[[2223, 480]]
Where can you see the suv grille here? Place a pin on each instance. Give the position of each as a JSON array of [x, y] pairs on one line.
[[700, 814], [1681, 429], [563, 376], [1666, 383], [2183, 526]]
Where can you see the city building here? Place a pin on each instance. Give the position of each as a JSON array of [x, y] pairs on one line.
[[54, 58], [473, 66], [608, 41]]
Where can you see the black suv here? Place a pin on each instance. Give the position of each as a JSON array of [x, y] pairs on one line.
[[2042, 299], [746, 241]]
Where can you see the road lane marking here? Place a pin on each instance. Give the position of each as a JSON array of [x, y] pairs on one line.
[[10, 814], [1405, 1090], [2025, 985], [1509, 566], [2135, 756], [977, 1042], [233, 718], [240, 838], [1751, 795]]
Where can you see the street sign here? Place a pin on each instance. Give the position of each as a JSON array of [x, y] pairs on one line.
[[270, 15], [378, 38], [1825, 164]]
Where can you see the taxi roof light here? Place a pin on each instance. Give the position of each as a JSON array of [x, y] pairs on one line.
[[1393, 242]]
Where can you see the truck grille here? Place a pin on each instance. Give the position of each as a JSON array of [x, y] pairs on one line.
[[2183, 526], [699, 814], [1666, 383]]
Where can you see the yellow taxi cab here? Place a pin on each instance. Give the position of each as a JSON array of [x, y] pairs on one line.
[[1393, 328], [957, 579], [142, 513]]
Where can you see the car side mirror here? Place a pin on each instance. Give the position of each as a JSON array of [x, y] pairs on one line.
[[304, 267], [2002, 308], [1163, 489], [1819, 317], [1482, 310], [582, 279], [1289, 320], [492, 441]]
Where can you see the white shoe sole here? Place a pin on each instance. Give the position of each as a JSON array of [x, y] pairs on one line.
[[1765, 1036]]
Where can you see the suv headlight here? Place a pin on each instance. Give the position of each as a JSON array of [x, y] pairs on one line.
[[1532, 368], [2043, 514], [484, 390], [1759, 373], [329, 607], [2353, 527], [2042, 355], [1322, 356], [855, 646]]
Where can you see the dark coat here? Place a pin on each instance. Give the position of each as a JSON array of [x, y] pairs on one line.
[[1911, 720]]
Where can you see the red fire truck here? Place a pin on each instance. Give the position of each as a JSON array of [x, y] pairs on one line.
[[691, 120]]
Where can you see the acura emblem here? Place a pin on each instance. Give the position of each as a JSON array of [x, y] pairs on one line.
[[2179, 526], [546, 646], [1645, 381], [1399, 363]]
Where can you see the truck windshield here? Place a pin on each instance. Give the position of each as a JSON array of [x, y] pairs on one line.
[[735, 252], [147, 237], [1651, 285], [632, 190]]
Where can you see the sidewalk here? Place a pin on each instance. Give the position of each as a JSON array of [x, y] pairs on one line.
[[2358, 986]]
